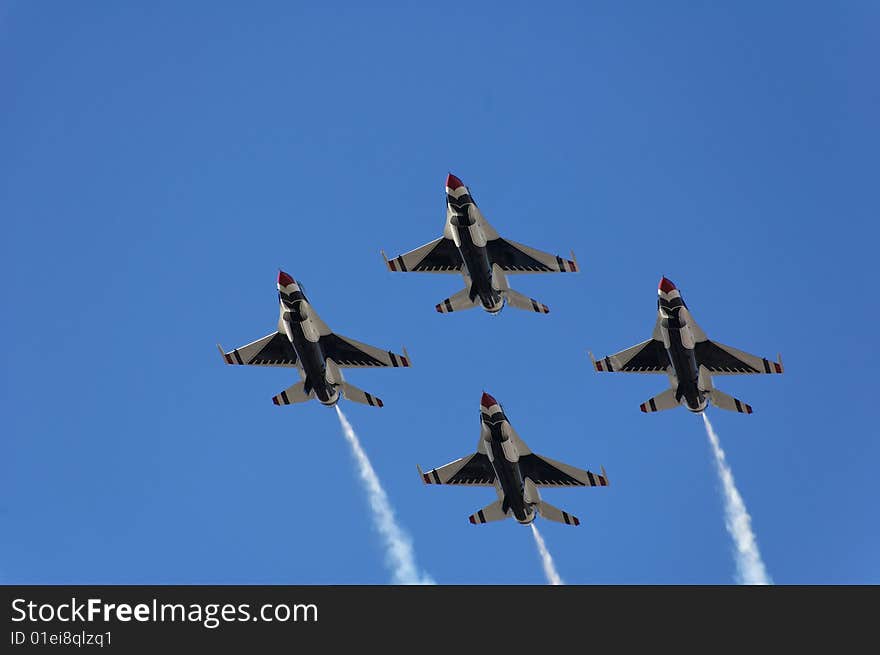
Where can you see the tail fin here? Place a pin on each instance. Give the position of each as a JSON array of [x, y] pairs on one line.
[[493, 512], [722, 401], [551, 513], [665, 400], [295, 394], [356, 395], [460, 301]]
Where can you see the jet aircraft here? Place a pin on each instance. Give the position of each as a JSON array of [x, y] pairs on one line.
[[680, 349], [504, 461], [472, 247], [304, 341]]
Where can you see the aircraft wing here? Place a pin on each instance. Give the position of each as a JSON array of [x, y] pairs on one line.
[[545, 472], [647, 357], [513, 257], [724, 360], [348, 353], [474, 470], [438, 256], [272, 350]]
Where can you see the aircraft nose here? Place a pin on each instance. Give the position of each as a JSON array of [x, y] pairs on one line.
[[284, 279], [453, 182], [666, 285], [487, 401]]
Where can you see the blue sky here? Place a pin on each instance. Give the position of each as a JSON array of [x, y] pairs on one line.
[[158, 164]]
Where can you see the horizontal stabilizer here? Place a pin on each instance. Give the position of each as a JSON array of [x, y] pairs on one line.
[[352, 393], [551, 513], [460, 301], [294, 394], [722, 401], [518, 300], [665, 400], [493, 512]]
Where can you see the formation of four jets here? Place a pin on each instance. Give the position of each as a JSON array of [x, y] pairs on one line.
[[471, 247]]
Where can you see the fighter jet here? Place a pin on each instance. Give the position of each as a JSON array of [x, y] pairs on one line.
[[472, 247], [680, 349], [504, 461], [304, 341]]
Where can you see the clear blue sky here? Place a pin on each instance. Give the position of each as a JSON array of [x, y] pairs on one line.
[[158, 164]]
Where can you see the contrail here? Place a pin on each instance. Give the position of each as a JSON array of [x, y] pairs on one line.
[[749, 565], [546, 559], [399, 551]]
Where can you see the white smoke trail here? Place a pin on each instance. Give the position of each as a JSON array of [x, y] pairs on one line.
[[399, 551], [546, 559], [749, 565]]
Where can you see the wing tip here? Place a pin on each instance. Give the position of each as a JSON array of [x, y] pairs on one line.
[[605, 476], [389, 262], [423, 475], [226, 356]]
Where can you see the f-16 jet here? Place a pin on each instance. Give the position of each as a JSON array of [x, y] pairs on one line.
[[680, 349], [504, 461], [304, 341], [472, 247]]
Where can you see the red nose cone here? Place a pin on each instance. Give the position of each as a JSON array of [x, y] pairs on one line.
[[487, 401], [666, 286], [453, 182], [284, 279]]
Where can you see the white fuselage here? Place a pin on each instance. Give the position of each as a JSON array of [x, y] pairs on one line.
[[500, 446], [295, 321], [468, 229], [676, 332]]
